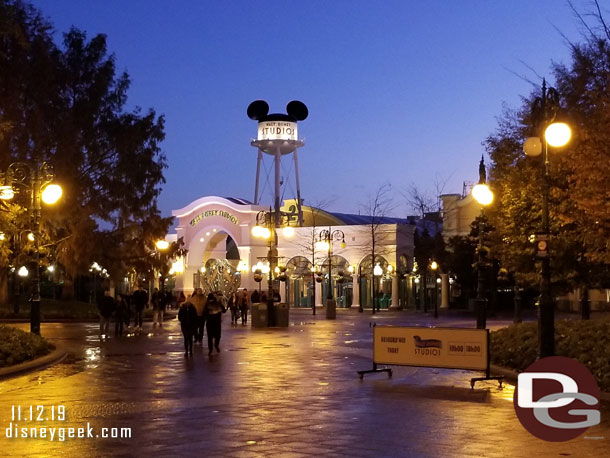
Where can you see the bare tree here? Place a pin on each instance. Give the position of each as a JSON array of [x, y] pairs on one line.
[[307, 243], [376, 231], [426, 203]]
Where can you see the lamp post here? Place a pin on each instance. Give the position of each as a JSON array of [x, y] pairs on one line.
[[267, 223], [483, 195], [36, 181], [555, 134], [326, 239], [434, 268], [161, 246]]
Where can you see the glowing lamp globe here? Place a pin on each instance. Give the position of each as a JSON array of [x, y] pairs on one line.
[[162, 244], [558, 134], [532, 146], [51, 193], [288, 231], [6, 193], [482, 194]]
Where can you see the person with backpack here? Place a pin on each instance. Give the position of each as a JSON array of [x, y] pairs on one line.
[[187, 315]]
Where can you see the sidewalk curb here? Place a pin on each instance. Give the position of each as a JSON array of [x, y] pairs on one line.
[[54, 357], [511, 375]]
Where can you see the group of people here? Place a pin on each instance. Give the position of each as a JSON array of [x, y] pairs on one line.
[[197, 313], [200, 311], [124, 307]]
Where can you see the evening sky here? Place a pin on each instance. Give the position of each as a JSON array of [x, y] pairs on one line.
[[398, 91]]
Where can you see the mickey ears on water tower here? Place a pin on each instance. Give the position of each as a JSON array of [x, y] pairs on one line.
[[297, 110], [258, 110]]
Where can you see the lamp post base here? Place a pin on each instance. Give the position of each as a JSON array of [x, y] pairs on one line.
[[331, 309], [481, 311], [35, 316]]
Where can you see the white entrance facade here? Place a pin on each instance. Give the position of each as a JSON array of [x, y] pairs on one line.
[[219, 228]]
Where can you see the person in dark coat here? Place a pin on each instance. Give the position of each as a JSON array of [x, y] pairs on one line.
[[213, 311], [120, 315], [187, 315], [106, 306], [244, 305], [140, 300], [256, 297], [234, 307], [276, 296]]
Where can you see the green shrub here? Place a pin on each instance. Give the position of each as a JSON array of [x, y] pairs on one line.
[[17, 346], [587, 341]]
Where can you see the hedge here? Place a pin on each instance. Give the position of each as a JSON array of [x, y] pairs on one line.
[[17, 346], [587, 341]]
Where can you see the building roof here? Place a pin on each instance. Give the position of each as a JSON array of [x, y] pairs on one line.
[[239, 201]]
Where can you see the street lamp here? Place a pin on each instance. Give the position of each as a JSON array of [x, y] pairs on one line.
[[35, 180], [556, 134], [267, 223], [483, 195], [434, 267], [325, 240]]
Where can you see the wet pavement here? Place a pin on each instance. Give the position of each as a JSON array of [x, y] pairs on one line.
[[286, 392]]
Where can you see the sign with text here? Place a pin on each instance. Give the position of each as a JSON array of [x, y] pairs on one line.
[[277, 130], [454, 348], [209, 213]]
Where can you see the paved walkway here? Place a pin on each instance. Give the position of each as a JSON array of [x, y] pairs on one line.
[[287, 392]]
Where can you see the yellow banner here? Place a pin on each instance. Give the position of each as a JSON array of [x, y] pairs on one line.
[[454, 348]]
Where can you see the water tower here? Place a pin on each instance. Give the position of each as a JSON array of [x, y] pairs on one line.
[[278, 136]]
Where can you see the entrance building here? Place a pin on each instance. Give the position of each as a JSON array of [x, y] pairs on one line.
[[222, 253]]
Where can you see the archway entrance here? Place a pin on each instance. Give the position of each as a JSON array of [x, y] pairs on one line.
[[341, 289], [381, 284], [299, 284]]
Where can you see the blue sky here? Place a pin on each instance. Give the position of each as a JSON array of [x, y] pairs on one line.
[[402, 92]]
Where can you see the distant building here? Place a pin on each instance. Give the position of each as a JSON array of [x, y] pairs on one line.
[[222, 253]]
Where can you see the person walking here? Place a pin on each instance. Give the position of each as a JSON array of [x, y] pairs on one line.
[[213, 311], [187, 315], [170, 300], [158, 297], [140, 300], [198, 300], [234, 307], [181, 298], [244, 304], [106, 306], [120, 315]]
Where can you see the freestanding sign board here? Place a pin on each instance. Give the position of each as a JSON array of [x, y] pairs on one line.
[[455, 348], [452, 348]]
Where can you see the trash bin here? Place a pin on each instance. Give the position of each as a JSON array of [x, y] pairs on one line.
[[281, 312], [259, 315], [331, 309]]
